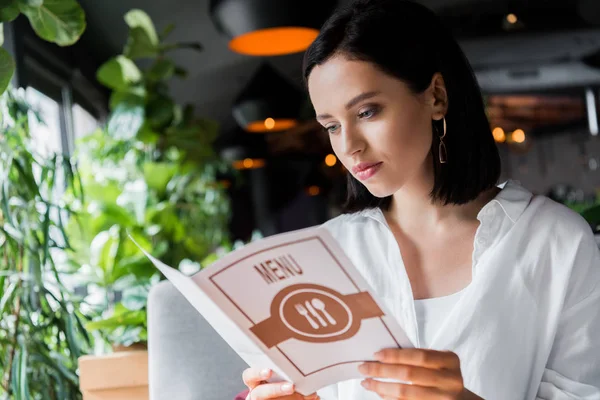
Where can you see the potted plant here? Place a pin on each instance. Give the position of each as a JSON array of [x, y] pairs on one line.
[[150, 173], [41, 326]]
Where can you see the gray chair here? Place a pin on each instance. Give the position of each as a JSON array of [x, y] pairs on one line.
[[188, 360]]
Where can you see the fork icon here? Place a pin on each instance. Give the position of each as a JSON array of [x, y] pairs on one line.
[[304, 312]]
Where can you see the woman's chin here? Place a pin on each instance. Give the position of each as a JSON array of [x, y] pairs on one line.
[[380, 191]]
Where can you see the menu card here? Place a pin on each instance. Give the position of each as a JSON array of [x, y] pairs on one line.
[[293, 303]]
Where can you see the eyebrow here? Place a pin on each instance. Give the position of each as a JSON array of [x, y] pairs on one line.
[[352, 102]]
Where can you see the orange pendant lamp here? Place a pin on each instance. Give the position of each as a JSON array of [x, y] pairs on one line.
[[270, 27], [269, 103]]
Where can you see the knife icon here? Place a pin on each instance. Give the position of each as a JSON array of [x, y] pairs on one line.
[[314, 313]]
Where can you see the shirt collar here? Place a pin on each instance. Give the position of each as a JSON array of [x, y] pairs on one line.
[[513, 199]]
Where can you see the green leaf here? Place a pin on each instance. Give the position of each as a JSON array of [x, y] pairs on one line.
[[148, 136], [592, 214], [134, 94], [181, 72], [23, 381], [126, 119], [176, 46], [32, 3], [167, 31], [161, 70], [143, 40], [135, 298], [158, 175], [160, 111], [58, 21], [7, 298], [116, 321], [9, 10], [119, 73], [7, 69], [46, 237]]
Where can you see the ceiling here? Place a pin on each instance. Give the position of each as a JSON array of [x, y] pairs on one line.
[[545, 52]]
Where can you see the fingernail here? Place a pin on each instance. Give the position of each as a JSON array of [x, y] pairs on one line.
[[265, 373], [366, 383], [378, 355], [287, 388]]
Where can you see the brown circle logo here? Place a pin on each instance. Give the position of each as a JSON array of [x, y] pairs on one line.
[[315, 313]]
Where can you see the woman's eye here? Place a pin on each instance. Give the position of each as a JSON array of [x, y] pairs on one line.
[[331, 128], [368, 113]]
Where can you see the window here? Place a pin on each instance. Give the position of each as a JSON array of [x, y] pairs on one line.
[[84, 122], [45, 131]]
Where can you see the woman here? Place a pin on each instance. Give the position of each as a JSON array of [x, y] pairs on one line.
[[498, 289]]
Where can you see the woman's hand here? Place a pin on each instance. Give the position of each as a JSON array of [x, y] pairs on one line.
[[432, 375], [255, 380]]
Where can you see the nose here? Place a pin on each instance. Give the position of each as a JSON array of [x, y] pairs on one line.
[[351, 142]]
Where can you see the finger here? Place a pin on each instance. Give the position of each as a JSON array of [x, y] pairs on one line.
[[420, 358], [253, 377], [272, 391], [394, 390], [416, 375]]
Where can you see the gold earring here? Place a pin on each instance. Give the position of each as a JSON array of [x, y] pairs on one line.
[[443, 153]]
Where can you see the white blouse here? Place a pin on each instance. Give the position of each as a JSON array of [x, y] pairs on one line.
[[431, 314], [528, 325]]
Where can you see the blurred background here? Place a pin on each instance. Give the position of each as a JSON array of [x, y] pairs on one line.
[[537, 63], [184, 123]]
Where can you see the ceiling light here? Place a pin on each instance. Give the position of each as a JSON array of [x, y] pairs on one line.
[[330, 160], [270, 27], [499, 135], [512, 18], [518, 136], [269, 103], [314, 190], [249, 163]]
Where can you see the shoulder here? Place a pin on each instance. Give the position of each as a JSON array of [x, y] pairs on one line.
[[558, 220]]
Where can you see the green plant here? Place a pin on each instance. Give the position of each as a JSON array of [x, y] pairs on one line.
[[589, 210], [58, 21], [592, 215], [41, 329], [152, 173]]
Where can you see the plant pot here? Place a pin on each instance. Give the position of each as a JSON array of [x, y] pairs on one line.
[[117, 348], [119, 376]]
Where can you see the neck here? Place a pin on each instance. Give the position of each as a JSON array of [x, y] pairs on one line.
[[412, 206]]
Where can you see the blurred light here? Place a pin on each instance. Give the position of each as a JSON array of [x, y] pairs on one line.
[[590, 101], [269, 102], [512, 18], [269, 123], [270, 27], [330, 160], [274, 41], [518, 136], [499, 135], [314, 191], [249, 163]]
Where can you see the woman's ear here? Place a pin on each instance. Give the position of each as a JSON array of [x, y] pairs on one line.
[[438, 96]]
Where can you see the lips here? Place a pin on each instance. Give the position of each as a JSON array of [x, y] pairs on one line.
[[366, 170]]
